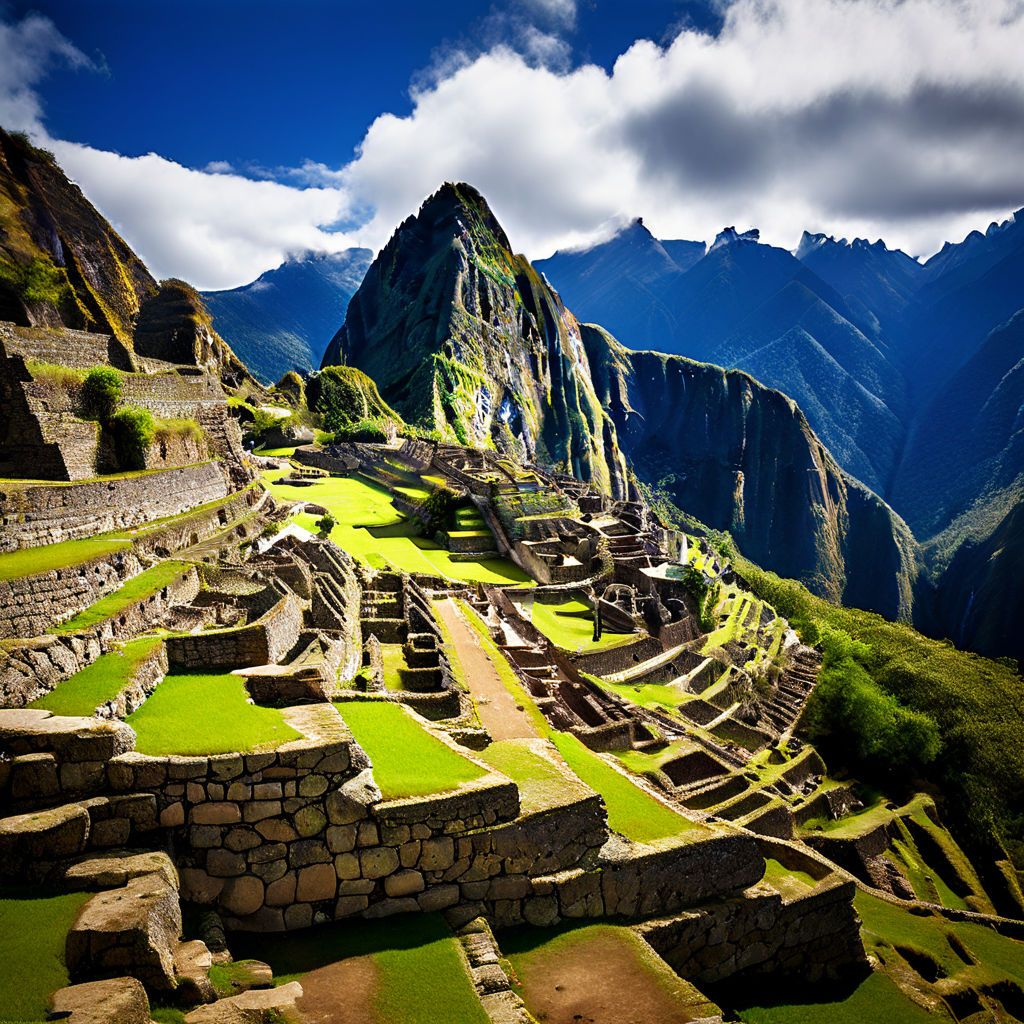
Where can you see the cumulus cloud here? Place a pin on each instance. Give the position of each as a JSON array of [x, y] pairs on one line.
[[901, 119], [217, 230], [894, 118]]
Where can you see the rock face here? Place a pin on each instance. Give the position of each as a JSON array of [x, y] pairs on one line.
[[741, 457], [464, 336], [61, 263]]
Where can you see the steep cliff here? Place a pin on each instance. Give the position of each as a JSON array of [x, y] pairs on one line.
[[742, 457], [463, 336], [61, 263]]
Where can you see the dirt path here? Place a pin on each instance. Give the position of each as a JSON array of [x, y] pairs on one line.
[[340, 993], [604, 981], [499, 713]]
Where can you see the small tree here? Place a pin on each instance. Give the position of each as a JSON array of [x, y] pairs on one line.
[[326, 523], [102, 391]]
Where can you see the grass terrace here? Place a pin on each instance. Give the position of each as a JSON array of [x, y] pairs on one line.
[[599, 972], [407, 969], [570, 625], [394, 663], [137, 589], [542, 784], [632, 811], [103, 680], [33, 930], [408, 760], [282, 453], [206, 714], [31, 561], [373, 531], [646, 695]]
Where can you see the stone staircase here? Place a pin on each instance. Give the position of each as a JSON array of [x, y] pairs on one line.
[[793, 689]]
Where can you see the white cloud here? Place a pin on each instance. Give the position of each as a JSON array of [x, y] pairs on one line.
[[28, 50], [895, 118], [899, 118], [217, 230]]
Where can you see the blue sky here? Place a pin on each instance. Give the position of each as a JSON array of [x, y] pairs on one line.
[[222, 136], [270, 83]]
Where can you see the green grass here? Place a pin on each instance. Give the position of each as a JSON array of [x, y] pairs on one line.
[[206, 714], [876, 998], [372, 530], [136, 589], [647, 695], [541, 783], [788, 881], [104, 679], [632, 811], [421, 975], [570, 625], [33, 929], [30, 561], [282, 453], [394, 662], [407, 759]]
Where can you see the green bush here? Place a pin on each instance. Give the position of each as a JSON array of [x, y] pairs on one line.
[[326, 523], [370, 431], [849, 714], [133, 429], [101, 392]]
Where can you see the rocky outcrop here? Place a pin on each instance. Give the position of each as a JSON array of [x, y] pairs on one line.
[[175, 326], [61, 263], [464, 336], [741, 457]]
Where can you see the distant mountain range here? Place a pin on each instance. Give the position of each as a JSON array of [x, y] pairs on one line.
[[284, 319], [912, 374]]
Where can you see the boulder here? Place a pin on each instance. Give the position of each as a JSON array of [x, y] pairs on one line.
[[257, 1006], [113, 1001], [116, 869], [132, 929], [47, 835]]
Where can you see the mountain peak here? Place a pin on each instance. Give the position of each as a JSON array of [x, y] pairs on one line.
[[458, 203], [730, 236]]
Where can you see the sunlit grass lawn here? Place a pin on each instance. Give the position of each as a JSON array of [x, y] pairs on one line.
[[138, 587], [421, 977], [372, 530], [407, 759], [570, 624], [104, 679], [206, 714], [632, 811], [33, 930], [29, 561], [542, 784], [394, 662]]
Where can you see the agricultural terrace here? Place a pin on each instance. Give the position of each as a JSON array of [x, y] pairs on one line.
[[599, 972], [102, 681], [632, 811], [408, 760], [372, 530], [170, 723], [570, 625]]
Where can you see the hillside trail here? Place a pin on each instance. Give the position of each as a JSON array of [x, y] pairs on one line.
[[499, 713]]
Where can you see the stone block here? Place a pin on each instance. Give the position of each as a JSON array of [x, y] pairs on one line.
[[221, 813], [42, 835], [257, 1006], [223, 863], [317, 882], [309, 821], [437, 854], [242, 895], [439, 897], [113, 1001], [33, 777], [404, 883], [281, 893], [378, 861], [348, 905]]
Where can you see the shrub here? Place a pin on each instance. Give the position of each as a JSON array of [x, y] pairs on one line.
[[326, 523], [102, 392], [133, 429], [370, 431]]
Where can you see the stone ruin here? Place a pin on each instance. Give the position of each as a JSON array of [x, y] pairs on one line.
[[300, 835]]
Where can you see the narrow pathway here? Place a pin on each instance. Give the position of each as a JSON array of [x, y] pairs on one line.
[[499, 713]]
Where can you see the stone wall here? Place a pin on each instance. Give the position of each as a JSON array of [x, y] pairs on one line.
[[264, 642], [816, 936], [80, 349], [29, 605], [618, 659], [36, 514]]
